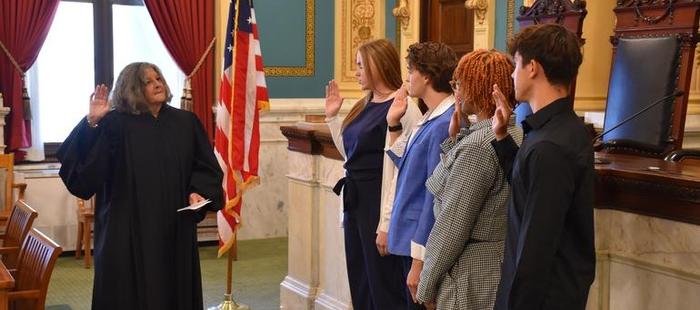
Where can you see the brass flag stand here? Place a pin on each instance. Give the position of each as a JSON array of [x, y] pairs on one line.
[[229, 303]]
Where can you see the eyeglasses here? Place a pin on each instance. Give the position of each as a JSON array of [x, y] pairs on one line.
[[455, 85]]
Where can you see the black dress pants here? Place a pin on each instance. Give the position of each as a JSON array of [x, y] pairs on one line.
[[375, 281]]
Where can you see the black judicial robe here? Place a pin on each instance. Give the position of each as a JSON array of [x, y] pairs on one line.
[[142, 170]]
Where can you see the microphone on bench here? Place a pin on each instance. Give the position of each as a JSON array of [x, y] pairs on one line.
[[676, 93]]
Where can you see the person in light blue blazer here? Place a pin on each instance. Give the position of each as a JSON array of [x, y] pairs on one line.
[[430, 67]]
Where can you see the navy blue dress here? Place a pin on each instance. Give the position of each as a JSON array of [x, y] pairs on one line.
[[375, 281]]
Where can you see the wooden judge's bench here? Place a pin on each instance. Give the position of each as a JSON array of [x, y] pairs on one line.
[[647, 222]]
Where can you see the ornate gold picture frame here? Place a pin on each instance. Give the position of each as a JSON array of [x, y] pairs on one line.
[[309, 66]]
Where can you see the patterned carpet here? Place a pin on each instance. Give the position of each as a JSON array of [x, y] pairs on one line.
[[261, 266]]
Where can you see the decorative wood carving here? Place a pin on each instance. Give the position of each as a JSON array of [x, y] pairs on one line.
[[480, 8], [650, 19], [553, 7], [402, 14], [564, 12]]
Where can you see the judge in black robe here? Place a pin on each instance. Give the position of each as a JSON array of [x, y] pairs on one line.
[[143, 160]]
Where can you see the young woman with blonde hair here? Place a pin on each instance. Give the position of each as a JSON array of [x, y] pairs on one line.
[[367, 188]]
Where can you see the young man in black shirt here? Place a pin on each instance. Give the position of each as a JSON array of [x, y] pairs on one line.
[[549, 260]]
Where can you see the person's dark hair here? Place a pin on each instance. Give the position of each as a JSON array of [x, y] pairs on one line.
[[128, 94], [435, 60], [555, 48]]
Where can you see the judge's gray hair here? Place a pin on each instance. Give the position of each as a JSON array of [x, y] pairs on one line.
[[128, 94]]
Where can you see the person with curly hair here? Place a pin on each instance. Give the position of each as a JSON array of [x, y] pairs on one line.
[[465, 247], [143, 160], [430, 67]]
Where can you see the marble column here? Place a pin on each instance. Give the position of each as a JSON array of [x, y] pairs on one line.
[[317, 277], [300, 287]]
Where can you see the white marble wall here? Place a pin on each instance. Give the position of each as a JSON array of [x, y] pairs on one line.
[[265, 207], [645, 263], [317, 277], [49, 197]]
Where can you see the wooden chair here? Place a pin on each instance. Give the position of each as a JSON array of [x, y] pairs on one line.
[[7, 186], [653, 49], [86, 217], [19, 224], [34, 267]]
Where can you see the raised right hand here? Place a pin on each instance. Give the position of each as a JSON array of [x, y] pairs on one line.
[[398, 108], [499, 121], [99, 106], [333, 99]]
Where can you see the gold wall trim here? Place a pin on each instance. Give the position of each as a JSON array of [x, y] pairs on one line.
[[357, 22], [510, 14], [309, 67]]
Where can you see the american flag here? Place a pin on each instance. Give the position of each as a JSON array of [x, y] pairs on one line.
[[243, 93]]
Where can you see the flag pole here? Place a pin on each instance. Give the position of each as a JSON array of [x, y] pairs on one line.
[[229, 303]]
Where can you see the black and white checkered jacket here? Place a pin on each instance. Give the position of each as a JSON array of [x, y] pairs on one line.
[[464, 252]]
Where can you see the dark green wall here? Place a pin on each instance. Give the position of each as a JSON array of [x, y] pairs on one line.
[[282, 27]]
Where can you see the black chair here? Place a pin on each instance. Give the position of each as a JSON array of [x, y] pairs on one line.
[[653, 49]]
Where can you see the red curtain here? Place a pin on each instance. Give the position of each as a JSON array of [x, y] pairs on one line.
[[187, 28], [24, 25]]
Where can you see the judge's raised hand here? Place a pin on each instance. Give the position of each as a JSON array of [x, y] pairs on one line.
[[499, 121], [99, 106], [333, 99], [398, 108]]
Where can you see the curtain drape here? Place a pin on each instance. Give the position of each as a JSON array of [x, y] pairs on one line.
[[187, 29], [24, 25]]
